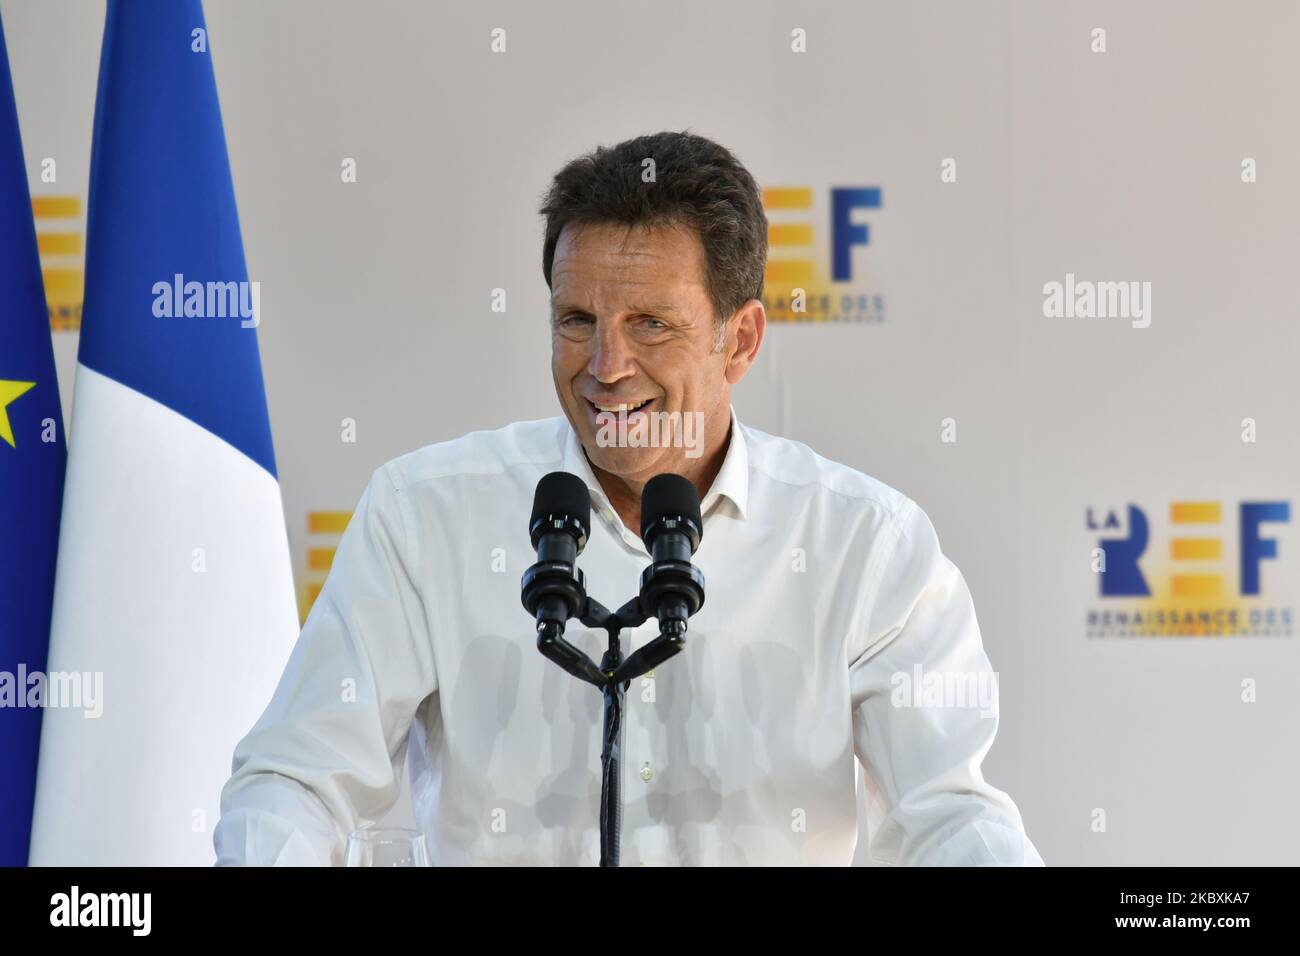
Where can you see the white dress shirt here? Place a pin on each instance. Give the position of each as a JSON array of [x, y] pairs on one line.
[[823, 586]]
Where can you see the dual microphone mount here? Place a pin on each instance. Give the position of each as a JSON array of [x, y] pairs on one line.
[[554, 590]]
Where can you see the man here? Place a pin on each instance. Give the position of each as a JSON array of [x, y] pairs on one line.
[[823, 587]]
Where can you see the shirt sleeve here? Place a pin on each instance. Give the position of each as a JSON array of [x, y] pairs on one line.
[[925, 712], [325, 756]]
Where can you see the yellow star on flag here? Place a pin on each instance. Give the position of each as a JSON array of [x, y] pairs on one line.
[[8, 392]]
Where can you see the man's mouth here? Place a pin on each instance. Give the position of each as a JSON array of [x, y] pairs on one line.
[[622, 407]]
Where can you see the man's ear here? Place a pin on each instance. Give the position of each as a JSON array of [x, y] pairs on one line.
[[744, 336]]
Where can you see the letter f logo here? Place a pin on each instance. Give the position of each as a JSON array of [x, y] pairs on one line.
[[1254, 548], [845, 234]]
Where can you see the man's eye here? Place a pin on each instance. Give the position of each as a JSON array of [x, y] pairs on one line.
[[575, 318], [655, 325]]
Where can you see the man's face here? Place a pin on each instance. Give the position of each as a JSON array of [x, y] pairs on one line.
[[631, 322]]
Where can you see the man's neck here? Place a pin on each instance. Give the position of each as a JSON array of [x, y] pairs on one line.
[[624, 494]]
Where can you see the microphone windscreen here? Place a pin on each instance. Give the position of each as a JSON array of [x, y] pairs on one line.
[[562, 493], [669, 495]]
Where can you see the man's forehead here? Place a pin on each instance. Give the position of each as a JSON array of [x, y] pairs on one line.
[[648, 269]]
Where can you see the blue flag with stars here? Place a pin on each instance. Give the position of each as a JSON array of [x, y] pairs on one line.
[[32, 458]]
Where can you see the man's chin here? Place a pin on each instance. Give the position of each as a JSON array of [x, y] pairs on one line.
[[626, 463]]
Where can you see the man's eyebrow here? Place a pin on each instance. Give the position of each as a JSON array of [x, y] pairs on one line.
[[664, 308]]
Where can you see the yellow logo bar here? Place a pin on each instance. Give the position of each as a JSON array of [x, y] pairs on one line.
[[788, 197], [320, 559], [1197, 585], [56, 207], [59, 243], [327, 522], [64, 280], [790, 234], [1194, 512], [1196, 549], [793, 272]]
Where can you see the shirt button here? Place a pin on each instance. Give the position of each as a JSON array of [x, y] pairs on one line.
[[647, 772]]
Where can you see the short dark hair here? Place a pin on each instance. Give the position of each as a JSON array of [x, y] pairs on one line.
[[697, 183]]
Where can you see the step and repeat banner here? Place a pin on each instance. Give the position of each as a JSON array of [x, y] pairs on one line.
[[1048, 254]]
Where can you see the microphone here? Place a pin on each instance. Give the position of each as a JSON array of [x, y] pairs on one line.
[[672, 589], [553, 588]]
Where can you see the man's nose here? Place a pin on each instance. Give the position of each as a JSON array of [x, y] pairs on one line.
[[611, 357]]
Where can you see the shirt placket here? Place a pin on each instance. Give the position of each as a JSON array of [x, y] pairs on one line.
[[640, 771]]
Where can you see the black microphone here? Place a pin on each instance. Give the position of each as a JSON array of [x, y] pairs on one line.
[[553, 589], [672, 589]]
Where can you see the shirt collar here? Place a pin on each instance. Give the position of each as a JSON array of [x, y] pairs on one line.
[[732, 481]]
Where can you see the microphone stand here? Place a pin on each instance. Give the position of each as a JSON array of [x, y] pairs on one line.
[[554, 590], [612, 678]]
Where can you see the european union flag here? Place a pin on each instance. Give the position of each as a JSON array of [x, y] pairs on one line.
[[32, 458]]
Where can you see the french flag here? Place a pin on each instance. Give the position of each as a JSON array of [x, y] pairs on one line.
[[173, 583]]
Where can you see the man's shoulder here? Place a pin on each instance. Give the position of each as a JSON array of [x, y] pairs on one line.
[[539, 442], [893, 526], [790, 462]]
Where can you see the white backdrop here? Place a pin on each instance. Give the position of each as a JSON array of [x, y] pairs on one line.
[[1114, 166]]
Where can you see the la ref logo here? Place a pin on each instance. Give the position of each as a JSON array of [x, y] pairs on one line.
[[1203, 570]]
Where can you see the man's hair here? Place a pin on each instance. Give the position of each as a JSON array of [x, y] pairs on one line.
[[697, 183]]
